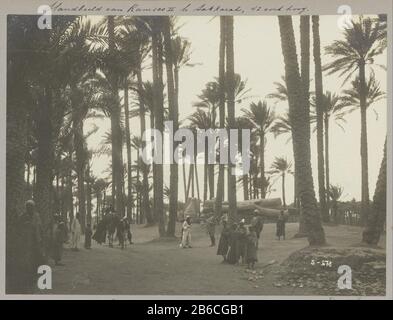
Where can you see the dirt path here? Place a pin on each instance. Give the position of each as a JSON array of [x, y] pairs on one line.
[[151, 267]]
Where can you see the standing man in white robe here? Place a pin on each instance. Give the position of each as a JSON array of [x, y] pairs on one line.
[[75, 232], [186, 237]]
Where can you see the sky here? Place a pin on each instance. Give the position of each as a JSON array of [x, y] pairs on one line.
[[259, 61]]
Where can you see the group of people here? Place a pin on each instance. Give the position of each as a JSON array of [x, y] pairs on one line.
[[113, 226], [238, 241], [35, 244]]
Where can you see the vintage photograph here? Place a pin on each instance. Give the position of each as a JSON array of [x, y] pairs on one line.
[[225, 155]]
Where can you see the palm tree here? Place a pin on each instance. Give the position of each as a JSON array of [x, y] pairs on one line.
[[157, 59], [302, 152], [319, 113], [181, 50], [139, 48], [332, 110], [282, 125], [174, 117], [244, 123], [335, 193], [114, 77], [128, 146], [282, 167], [221, 105], [231, 95], [364, 40], [374, 227], [351, 97], [209, 99], [201, 119], [262, 118]]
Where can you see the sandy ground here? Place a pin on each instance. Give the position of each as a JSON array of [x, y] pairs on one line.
[[153, 267]]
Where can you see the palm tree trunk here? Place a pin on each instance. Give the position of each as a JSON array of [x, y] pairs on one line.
[[283, 190], [319, 109], [146, 212], [159, 124], [245, 187], [189, 181], [262, 164], [184, 180], [327, 163], [197, 181], [377, 217], [221, 80], [192, 180], [211, 180], [230, 63], [70, 198], [128, 145], [88, 197], [77, 123], [117, 143], [174, 117], [305, 77], [205, 176], [300, 134], [45, 165], [364, 209]]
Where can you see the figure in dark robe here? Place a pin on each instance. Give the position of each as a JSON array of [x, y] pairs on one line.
[[223, 243], [257, 222], [242, 241], [120, 231], [211, 230], [127, 230], [252, 248], [29, 249], [59, 236], [233, 252], [100, 233], [280, 226]]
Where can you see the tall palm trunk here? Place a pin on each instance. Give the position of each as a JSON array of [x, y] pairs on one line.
[[300, 134], [262, 164], [230, 62], [319, 109], [245, 187], [327, 169], [221, 80], [377, 218], [283, 189], [45, 163], [184, 180], [146, 211], [158, 121], [70, 198], [305, 78], [80, 170], [205, 174], [174, 117], [211, 180], [364, 209], [77, 123], [88, 196], [128, 146], [117, 143]]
